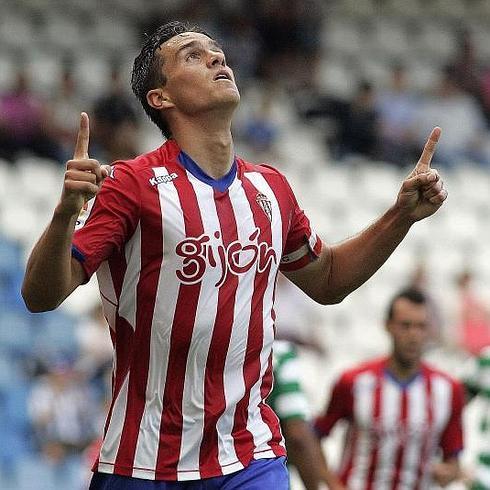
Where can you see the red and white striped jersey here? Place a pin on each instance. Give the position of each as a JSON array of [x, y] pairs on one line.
[[187, 267], [395, 429]]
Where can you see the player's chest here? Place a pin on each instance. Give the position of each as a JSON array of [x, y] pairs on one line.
[[223, 234], [386, 411]]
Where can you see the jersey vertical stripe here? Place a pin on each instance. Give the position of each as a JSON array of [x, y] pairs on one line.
[[244, 439], [180, 339], [193, 405], [233, 380], [363, 409], [425, 449], [401, 436], [214, 393], [139, 355], [416, 425], [389, 417], [166, 299], [265, 419], [378, 390]]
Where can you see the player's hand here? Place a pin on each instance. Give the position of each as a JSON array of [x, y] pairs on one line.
[[83, 175], [445, 473], [422, 193]]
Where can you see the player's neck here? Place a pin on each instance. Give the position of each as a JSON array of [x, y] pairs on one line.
[[403, 371], [209, 143]]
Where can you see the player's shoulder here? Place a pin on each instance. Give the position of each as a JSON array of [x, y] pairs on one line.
[[262, 168], [371, 367], [434, 372]]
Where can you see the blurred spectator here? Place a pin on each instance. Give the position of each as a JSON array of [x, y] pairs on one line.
[[95, 349], [356, 122], [242, 44], [62, 411], [461, 119], [24, 125], [397, 108], [473, 316], [290, 39], [64, 108], [466, 69], [115, 122], [477, 384], [260, 129]]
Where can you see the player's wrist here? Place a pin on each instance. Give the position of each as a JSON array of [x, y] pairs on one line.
[[66, 213]]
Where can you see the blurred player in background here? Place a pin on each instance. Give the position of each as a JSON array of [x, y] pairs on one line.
[[187, 241], [400, 411], [478, 384]]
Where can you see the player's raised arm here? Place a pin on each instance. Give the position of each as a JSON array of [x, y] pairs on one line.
[[342, 268], [51, 273]]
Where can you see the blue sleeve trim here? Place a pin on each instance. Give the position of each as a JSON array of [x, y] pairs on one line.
[[77, 254]]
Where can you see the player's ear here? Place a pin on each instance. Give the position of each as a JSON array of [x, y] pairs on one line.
[[158, 99]]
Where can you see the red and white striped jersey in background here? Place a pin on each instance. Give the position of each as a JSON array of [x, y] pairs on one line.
[[395, 430], [187, 268]]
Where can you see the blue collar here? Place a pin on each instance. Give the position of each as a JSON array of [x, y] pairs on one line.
[[400, 383], [220, 185]]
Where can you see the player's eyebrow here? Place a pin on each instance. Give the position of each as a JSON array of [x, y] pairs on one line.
[[193, 44]]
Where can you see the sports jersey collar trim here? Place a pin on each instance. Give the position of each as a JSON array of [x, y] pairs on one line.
[[401, 383], [222, 184]]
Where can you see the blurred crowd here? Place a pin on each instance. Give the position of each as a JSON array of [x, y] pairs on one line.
[[275, 48]]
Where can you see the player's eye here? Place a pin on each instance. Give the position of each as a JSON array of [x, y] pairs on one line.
[[193, 55]]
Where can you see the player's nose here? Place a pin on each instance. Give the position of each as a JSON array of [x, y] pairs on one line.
[[216, 58]]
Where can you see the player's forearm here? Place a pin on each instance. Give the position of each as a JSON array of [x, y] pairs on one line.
[[48, 276], [355, 260]]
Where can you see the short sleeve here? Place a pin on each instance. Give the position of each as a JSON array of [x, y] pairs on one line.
[[452, 438], [288, 398], [108, 220], [339, 407], [302, 244]]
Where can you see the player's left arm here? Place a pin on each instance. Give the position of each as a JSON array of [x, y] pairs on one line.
[[451, 442], [342, 268]]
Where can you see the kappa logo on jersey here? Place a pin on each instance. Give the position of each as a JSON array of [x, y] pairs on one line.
[[163, 179], [264, 202], [237, 258]]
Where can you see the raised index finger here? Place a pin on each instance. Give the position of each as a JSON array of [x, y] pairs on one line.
[[81, 147], [423, 164]]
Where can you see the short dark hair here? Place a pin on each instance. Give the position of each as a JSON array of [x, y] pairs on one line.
[[411, 294], [147, 71]]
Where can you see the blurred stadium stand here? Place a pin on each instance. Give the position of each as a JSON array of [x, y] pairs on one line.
[[356, 40]]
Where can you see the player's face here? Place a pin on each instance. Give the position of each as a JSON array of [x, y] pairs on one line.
[[409, 330], [198, 78]]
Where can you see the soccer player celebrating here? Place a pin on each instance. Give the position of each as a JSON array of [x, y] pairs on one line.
[[400, 411], [187, 241]]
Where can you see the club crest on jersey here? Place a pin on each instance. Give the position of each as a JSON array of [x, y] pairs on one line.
[[163, 179], [264, 202], [237, 258]]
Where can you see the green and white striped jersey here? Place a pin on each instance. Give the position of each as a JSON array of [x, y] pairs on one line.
[[287, 397], [478, 384]]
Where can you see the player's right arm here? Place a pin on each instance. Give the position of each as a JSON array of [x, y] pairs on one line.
[[51, 273]]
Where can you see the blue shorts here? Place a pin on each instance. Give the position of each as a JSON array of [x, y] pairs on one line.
[[260, 474]]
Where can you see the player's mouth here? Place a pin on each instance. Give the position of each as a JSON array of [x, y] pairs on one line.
[[223, 75]]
